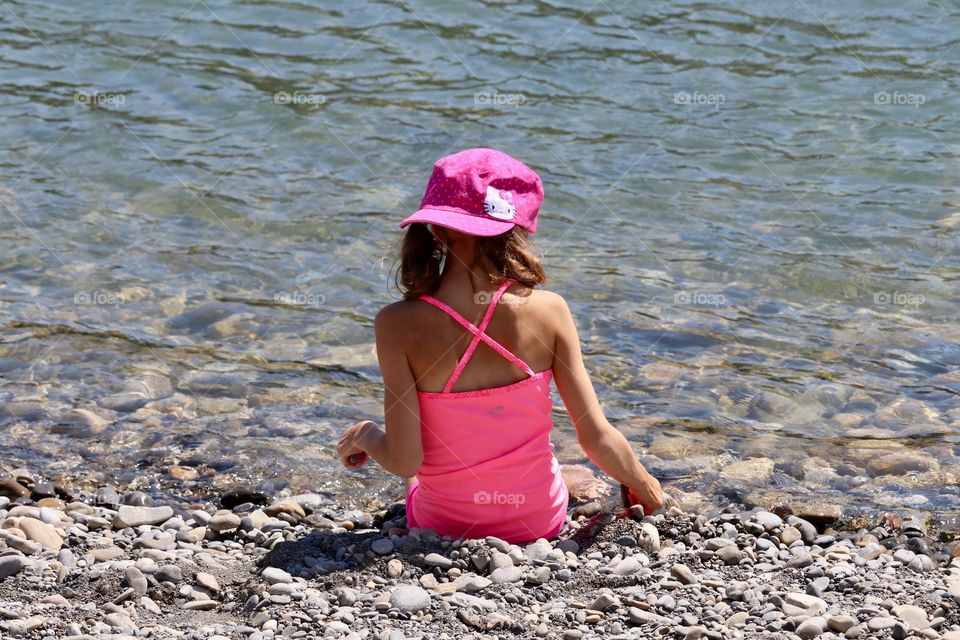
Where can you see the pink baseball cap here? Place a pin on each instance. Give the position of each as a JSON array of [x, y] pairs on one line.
[[481, 192]]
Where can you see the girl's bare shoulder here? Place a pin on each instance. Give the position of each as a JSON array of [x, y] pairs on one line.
[[540, 299], [398, 314], [544, 311]]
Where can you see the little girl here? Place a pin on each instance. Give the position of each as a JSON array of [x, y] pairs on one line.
[[467, 358]]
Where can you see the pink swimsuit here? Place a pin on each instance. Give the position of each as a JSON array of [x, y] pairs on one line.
[[488, 464]]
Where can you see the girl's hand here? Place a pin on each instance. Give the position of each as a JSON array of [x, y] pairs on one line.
[[352, 446], [649, 495]]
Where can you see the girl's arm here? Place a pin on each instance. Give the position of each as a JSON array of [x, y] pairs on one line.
[[398, 448], [603, 444]]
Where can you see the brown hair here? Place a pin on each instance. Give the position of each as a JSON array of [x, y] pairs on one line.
[[509, 255]]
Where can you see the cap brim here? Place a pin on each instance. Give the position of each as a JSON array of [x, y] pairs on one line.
[[459, 221]]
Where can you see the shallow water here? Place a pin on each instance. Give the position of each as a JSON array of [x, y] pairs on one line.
[[752, 212]]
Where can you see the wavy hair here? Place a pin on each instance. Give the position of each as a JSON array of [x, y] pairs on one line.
[[508, 255]]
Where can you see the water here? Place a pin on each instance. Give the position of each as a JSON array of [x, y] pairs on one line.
[[752, 212]]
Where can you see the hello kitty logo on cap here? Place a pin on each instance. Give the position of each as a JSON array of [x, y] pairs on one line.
[[499, 204], [481, 192]]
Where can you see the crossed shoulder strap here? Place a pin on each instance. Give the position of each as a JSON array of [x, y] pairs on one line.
[[478, 335]]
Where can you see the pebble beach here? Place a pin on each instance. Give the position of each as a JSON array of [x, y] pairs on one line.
[[117, 565], [751, 210]]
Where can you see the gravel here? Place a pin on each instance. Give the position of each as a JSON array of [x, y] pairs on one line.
[[301, 567]]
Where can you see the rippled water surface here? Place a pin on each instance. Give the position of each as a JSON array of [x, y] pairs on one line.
[[752, 209]]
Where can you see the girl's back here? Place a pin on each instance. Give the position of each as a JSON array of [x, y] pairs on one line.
[[523, 322]]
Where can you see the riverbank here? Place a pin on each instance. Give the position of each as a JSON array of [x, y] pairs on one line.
[[92, 566]]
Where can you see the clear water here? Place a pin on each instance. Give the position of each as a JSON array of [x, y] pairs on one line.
[[753, 213]]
